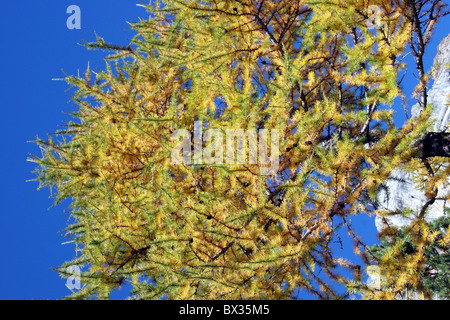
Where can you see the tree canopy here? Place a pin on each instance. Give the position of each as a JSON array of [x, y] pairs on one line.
[[323, 75]]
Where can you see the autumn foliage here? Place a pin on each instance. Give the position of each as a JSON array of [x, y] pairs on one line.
[[323, 73]]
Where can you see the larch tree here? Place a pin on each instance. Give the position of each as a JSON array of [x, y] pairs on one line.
[[157, 203]]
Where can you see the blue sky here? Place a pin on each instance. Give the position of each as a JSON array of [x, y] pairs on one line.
[[36, 47]]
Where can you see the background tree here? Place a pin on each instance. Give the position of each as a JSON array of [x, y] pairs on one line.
[[417, 262], [317, 71]]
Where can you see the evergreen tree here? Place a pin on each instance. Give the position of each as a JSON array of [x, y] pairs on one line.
[[322, 73], [425, 259]]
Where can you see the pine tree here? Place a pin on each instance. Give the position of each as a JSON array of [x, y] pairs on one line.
[[414, 264], [321, 74]]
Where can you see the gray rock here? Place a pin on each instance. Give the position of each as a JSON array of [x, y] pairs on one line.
[[439, 93], [400, 191]]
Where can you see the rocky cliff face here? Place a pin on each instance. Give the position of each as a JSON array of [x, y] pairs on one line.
[[438, 95], [400, 191]]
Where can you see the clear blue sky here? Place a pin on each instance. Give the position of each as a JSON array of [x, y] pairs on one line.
[[35, 46]]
